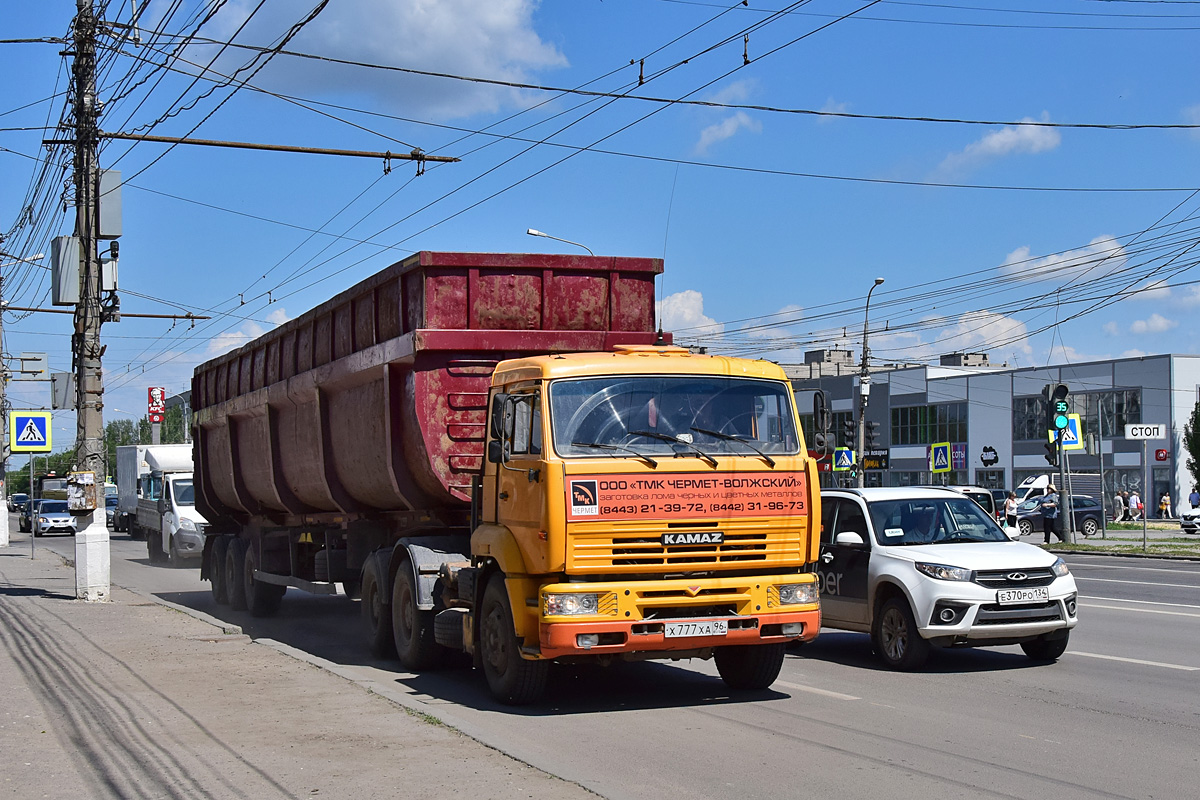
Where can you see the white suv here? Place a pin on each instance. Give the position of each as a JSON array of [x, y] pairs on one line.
[[919, 567]]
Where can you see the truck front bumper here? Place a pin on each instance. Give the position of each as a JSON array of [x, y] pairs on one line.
[[634, 616]]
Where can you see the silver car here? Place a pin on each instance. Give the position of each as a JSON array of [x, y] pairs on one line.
[[53, 517]]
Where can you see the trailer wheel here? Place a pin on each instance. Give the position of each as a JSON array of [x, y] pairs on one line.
[[412, 628], [262, 599], [750, 667], [235, 564], [513, 680], [216, 570], [375, 614]]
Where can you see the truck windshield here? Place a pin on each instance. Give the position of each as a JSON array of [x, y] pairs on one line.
[[653, 414], [185, 493], [933, 520]]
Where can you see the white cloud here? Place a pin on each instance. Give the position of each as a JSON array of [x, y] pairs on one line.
[[1157, 291], [736, 92], [976, 331], [832, 107], [1134, 354], [278, 316], [1155, 323], [493, 40], [726, 129], [1191, 115], [1013, 139], [1103, 254], [1112, 328], [684, 311], [231, 340]]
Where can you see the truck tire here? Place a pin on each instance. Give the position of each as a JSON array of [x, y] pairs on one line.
[[377, 617], [897, 641], [412, 628], [173, 557], [513, 680], [154, 547], [262, 599], [750, 667], [1046, 650], [235, 565], [216, 570], [136, 532]]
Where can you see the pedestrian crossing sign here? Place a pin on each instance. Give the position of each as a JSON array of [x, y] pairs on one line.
[[843, 459], [939, 457], [1071, 440], [29, 431]]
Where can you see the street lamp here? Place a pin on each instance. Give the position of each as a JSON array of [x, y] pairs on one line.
[[533, 232], [864, 389]]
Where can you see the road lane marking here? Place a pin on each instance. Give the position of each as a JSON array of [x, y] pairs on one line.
[[814, 690], [1090, 565], [1140, 583], [1143, 602], [1143, 662], [1146, 611]]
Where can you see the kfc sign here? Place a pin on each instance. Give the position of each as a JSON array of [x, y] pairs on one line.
[[156, 403]]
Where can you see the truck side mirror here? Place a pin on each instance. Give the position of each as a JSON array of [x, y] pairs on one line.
[[499, 415], [495, 451], [162, 505]]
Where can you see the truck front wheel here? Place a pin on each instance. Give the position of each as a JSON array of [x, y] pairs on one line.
[[750, 667], [376, 616], [896, 638], [513, 680], [412, 628]]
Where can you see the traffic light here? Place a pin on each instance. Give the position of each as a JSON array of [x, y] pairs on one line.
[[849, 431], [1057, 407], [1052, 451], [871, 435], [821, 438]]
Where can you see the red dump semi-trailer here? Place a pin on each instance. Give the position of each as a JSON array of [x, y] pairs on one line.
[[355, 444]]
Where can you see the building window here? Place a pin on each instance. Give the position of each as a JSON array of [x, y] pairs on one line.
[[1120, 408], [946, 422], [990, 478], [1029, 419], [955, 477]]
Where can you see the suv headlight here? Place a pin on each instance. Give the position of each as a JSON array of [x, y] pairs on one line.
[[1059, 568], [186, 525], [571, 604], [797, 593], [943, 572]]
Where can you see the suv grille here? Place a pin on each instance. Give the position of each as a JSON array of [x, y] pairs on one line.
[[993, 614], [1014, 578]]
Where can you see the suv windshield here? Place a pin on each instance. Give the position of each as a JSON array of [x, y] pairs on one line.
[[933, 520], [653, 414]]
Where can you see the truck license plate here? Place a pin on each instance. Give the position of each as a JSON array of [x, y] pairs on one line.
[[1015, 597], [704, 627]]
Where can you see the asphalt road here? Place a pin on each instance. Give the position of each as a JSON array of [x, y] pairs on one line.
[[1118, 716]]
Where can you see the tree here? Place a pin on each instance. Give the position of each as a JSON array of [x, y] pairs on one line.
[[1191, 443]]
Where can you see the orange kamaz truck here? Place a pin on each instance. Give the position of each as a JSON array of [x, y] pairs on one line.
[[498, 454]]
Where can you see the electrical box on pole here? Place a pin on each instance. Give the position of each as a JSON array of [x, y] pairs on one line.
[[64, 270]]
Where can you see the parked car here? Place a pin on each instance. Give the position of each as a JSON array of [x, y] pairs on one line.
[[987, 501], [1189, 520], [1087, 514], [918, 568], [999, 497], [110, 510], [25, 521], [15, 501], [52, 517]]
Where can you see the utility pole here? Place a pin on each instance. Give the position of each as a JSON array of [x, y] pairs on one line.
[[864, 391], [91, 542]]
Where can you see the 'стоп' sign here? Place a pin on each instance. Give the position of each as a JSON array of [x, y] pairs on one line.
[[1146, 430]]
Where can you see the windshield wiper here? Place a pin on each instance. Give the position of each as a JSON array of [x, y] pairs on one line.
[[642, 456], [676, 440], [770, 461]]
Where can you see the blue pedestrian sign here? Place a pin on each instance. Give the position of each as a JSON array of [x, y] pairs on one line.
[[1071, 440], [29, 431], [939, 457], [843, 459]]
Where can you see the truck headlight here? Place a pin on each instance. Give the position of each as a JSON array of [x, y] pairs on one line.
[[797, 593], [571, 604], [1059, 568], [943, 572], [187, 525]]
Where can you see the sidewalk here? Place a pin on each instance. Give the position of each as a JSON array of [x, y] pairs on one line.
[[131, 699]]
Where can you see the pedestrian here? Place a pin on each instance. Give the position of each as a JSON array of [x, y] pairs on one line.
[[1164, 506], [1051, 515], [1010, 510], [1118, 507], [1194, 498], [1135, 505], [1127, 516]]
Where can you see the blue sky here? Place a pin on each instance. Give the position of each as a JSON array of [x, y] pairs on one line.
[[773, 223]]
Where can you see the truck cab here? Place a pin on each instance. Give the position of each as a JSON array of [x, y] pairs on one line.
[[166, 511]]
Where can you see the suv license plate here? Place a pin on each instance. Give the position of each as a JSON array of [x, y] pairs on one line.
[[704, 627], [1015, 597]]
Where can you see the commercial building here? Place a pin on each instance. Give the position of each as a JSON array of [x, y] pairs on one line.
[[994, 417]]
